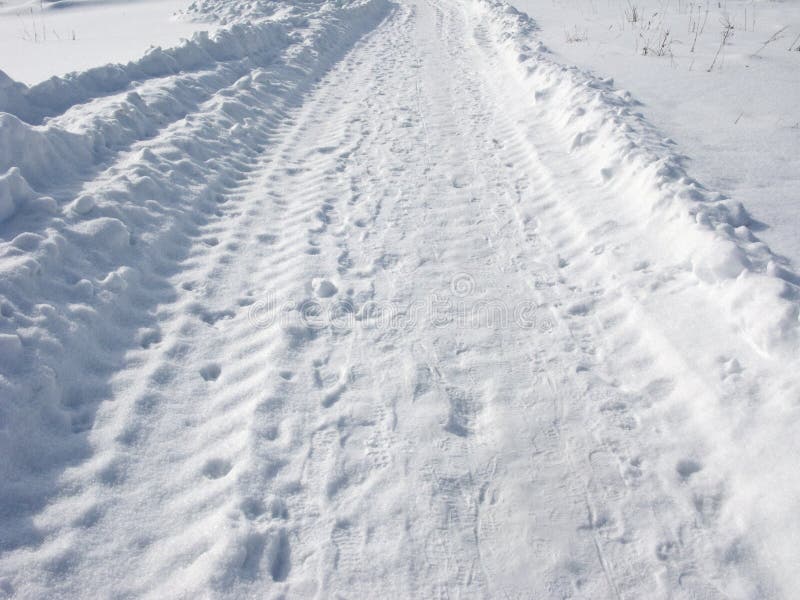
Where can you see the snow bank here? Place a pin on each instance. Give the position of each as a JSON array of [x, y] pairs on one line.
[[703, 231], [238, 42]]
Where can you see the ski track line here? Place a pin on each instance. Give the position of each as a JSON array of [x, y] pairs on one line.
[[295, 414]]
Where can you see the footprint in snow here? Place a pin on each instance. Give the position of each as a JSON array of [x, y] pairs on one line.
[[459, 181], [344, 261], [210, 317], [267, 238], [687, 467], [730, 366], [149, 337], [580, 308], [332, 396], [252, 508], [216, 468], [667, 551], [277, 508], [271, 432], [211, 371]]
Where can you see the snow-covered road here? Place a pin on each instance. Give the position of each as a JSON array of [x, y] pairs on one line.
[[398, 314]]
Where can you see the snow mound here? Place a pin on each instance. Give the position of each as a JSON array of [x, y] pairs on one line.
[[14, 191]]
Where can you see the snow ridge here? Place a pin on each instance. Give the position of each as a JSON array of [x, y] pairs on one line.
[[253, 34], [704, 231], [239, 42]]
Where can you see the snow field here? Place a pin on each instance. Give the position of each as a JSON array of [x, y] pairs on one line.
[[39, 40], [386, 303]]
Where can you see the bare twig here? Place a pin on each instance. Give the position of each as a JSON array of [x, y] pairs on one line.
[[662, 45], [632, 13], [792, 45], [727, 33], [773, 38], [576, 35]]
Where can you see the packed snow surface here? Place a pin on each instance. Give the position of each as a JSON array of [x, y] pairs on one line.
[[381, 299]]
